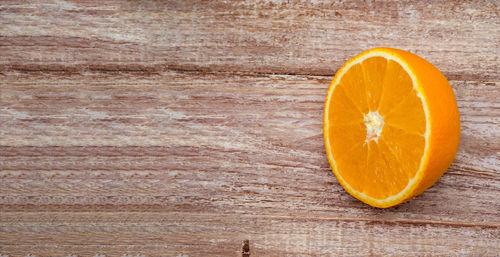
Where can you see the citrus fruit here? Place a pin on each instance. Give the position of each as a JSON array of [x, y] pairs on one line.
[[391, 126]]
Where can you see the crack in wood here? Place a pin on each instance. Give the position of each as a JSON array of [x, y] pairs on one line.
[[162, 68]]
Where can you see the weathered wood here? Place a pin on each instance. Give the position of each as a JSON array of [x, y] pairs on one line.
[[195, 163], [154, 234], [460, 38], [145, 128]]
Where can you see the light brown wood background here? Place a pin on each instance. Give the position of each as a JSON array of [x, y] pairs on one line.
[[182, 128]]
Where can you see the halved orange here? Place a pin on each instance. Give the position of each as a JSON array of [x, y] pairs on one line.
[[391, 126]]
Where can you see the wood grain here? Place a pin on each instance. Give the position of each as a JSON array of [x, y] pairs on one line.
[[183, 128], [116, 233], [211, 159], [461, 38]]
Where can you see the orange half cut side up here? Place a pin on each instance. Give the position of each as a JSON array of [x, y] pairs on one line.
[[391, 126]]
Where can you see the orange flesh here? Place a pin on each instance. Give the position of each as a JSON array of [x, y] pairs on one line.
[[378, 165]]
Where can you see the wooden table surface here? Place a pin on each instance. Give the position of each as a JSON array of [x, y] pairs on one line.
[[183, 128]]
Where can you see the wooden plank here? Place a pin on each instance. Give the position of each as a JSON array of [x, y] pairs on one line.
[[196, 162], [193, 146], [180, 233], [460, 38]]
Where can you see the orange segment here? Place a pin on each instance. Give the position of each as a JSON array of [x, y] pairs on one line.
[[376, 173], [400, 177], [354, 159], [385, 115], [397, 85], [343, 110], [346, 137], [374, 72], [355, 87], [406, 147], [408, 115]]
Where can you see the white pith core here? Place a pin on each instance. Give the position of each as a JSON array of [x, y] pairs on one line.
[[374, 124]]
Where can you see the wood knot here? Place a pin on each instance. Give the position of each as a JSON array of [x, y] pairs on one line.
[[245, 248]]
